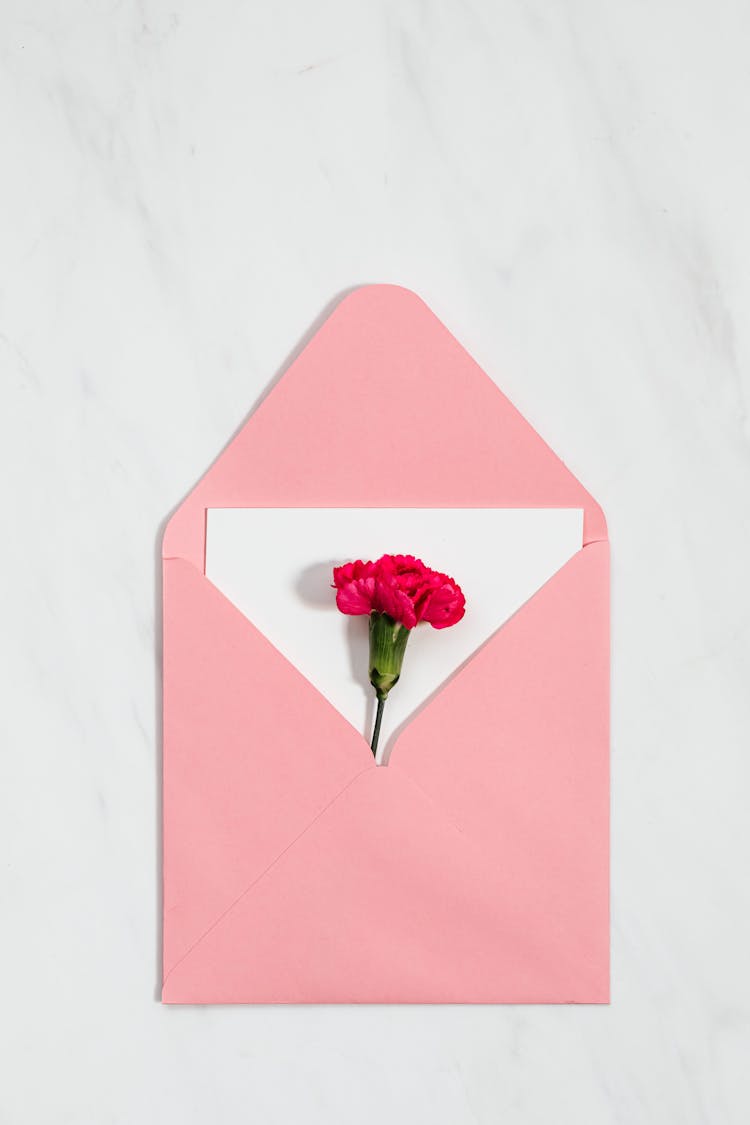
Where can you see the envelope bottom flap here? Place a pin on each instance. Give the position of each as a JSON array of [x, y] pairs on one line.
[[382, 899]]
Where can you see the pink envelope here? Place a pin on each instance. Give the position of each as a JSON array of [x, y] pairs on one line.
[[473, 868]]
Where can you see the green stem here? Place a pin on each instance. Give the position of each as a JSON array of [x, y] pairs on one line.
[[378, 721]]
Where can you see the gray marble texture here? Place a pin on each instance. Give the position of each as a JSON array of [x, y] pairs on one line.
[[185, 190]]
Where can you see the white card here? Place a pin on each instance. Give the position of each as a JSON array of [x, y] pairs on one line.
[[275, 565]]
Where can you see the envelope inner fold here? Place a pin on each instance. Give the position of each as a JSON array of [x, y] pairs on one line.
[[275, 564]]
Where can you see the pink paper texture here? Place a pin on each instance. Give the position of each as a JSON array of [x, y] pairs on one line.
[[474, 866]]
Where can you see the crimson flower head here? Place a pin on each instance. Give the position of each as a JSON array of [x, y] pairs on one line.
[[402, 587]]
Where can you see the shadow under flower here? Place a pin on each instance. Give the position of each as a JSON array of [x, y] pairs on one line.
[[313, 588]]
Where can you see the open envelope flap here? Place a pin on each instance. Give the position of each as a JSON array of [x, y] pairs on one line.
[[383, 408], [248, 763], [474, 867]]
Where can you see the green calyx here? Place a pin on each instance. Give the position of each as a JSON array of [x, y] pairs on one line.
[[387, 646]]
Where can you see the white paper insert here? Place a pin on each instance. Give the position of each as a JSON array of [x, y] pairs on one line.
[[275, 565]]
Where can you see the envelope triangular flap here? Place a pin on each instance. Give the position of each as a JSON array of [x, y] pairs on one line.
[[383, 408], [414, 914]]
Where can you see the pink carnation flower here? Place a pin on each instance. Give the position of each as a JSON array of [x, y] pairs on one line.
[[397, 592]]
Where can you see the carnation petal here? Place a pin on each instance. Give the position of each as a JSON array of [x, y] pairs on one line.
[[356, 597], [445, 606]]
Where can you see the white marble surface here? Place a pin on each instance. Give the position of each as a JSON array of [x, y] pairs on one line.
[[186, 188]]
